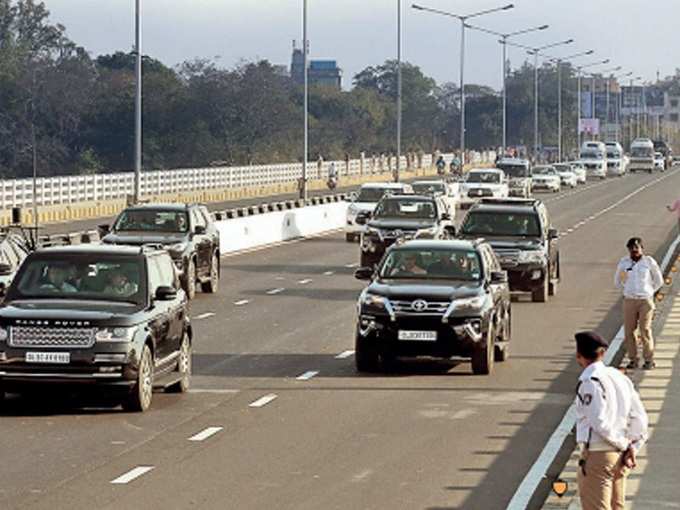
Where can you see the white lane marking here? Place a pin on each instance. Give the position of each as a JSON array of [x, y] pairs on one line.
[[131, 475], [344, 354], [307, 375], [570, 230], [305, 281], [462, 414], [360, 477], [351, 266], [263, 401], [279, 278], [329, 273], [525, 491], [241, 303], [217, 391], [273, 292], [205, 434], [205, 315]]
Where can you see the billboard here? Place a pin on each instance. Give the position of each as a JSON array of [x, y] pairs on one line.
[[590, 126]]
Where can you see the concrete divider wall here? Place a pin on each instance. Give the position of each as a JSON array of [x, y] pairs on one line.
[[274, 227]]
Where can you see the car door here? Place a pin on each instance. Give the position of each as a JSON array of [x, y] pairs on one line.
[[552, 246], [498, 290], [201, 242], [159, 323], [212, 231], [176, 307]]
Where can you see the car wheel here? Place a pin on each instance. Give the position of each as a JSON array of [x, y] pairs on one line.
[[483, 355], [190, 280], [541, 295], [212, 285], [366, 354], [139, 399], [552, 286], [183, 367]]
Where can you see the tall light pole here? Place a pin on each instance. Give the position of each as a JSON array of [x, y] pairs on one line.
[[618, 103], [463, 19], [138, 102], [305, 50], [603, 73], [578, 97], [399, 83], [504, 42]]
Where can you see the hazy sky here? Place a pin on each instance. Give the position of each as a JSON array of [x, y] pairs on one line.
[[358, 33]]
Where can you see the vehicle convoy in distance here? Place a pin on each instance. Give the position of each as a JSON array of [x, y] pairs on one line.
[[95, 317], [447, 191], [616, 159], [400, 218], [567, 175], [518, 173], [522, 236], [186, 231], [594, 157], [545, 177], [435, 299], [641, 155], [365, 201], [483, 182]]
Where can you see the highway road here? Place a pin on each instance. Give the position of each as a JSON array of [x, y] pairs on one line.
[[279, 418]]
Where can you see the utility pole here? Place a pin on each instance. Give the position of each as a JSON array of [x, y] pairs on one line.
[[138, 102], [399, 84], [305, 49]]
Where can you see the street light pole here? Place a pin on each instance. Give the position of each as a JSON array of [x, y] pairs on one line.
[[463, 20], [138, 103], [399, 98], [578, 106], [305, 49]]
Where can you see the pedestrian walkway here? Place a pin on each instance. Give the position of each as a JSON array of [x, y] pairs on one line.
[[655, 482]]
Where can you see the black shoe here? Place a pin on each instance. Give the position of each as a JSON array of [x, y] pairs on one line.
[[649, 365], [632, 364]]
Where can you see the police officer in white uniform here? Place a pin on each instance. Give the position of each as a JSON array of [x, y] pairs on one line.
[[611, 426]]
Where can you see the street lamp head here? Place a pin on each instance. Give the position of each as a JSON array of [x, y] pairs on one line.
[[568, 41], [508, 7], [416, 6], [589, 52], [543, 27]]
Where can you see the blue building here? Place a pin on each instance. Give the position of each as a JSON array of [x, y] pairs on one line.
[[325, 73]]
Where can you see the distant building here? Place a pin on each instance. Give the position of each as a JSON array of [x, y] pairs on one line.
[[321, 72]]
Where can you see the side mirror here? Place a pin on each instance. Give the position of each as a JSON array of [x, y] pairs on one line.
[[199, 230], [104, 229], [451, 230], [353, 196], [5, 269], [364, 273], [553, 234], [3, 290], [362, 218], [165, 293], [446, 217], [499, 277]]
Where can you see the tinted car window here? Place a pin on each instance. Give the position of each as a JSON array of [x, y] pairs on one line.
[[152, 221], [167, 271], [484, 177], [424, 188], [502, 224], [444, 263], [155, 275], [370, 194], [404, 208], [514, 170], [199, 220]]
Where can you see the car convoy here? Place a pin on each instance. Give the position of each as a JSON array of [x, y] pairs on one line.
[[115, 315]]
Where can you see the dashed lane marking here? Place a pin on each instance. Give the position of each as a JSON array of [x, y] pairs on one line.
[[273, 292], [329, 273], [214, 391], [344, 355], [202, 316], [242, 302], [351, 266], [205, 434], [131, 475], [263, 401], [305, 281], [307, 375]]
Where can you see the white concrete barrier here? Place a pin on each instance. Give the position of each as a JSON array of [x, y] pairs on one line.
[[264, 229]]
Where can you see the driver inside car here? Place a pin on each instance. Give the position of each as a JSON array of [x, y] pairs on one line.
[[120, 285], [56, 279]]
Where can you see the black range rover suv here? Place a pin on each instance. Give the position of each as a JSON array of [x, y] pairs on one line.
[[521, 234], [401, 218], [186, 231], [436, 299], [110, 318]]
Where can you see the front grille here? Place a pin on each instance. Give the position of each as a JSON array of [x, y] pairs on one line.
[[32, 336], [508, 257], [473, 193], [419, 306]]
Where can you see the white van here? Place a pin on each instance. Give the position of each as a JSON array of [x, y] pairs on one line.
[[616, 162], [642, 155], [594, 158]]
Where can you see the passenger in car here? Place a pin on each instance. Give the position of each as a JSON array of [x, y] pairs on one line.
[[120, 285]]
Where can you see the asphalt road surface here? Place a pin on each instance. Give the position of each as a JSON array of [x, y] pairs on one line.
[[428, 436]]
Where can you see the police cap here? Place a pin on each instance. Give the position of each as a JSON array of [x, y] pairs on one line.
[[589, 343]]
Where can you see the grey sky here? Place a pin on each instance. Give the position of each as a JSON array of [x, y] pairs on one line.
[[359, 33]]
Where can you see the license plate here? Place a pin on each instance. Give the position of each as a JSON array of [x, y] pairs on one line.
[[418, 336], [479, 192], [59, 358]]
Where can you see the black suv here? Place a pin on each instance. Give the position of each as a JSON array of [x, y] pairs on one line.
[[401, 218], [521, 234], [95, 316], [435, 299], [186, 231]]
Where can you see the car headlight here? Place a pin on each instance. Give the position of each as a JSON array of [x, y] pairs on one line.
[[4, 334], [115, 334], [352, 210], [471, 302], [177, 247], [374, 300], [531, 256]]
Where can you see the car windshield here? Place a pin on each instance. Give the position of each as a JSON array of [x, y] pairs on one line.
[[150, 220], [371, 194], [405, 208], [641, 152], [543, 170], [563, 168], [444, 263], [426, 188], [514, 170], [501, 224], [83, 277], [484, 177], [613, 155], [592, 155]]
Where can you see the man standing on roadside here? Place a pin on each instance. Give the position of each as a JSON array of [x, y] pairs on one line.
[[640, 277], [675, 207], [611, 426]]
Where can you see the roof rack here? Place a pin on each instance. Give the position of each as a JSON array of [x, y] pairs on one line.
[[510, 201]]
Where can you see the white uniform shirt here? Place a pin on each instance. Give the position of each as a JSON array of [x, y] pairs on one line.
[[609, 413], [643, 278]]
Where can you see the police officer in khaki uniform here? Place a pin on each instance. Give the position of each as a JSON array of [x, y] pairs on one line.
[[611, 426]]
